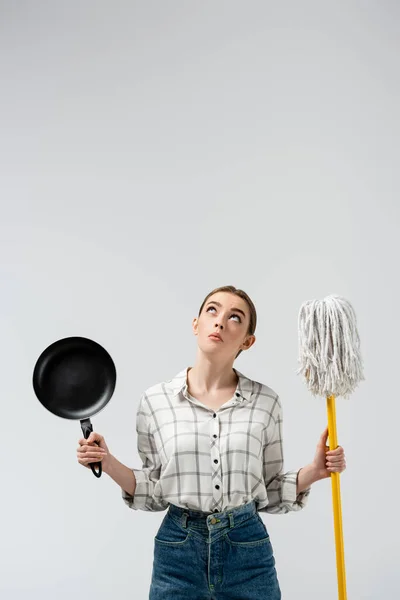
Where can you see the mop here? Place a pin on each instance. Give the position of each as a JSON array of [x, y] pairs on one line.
[[331, 363]]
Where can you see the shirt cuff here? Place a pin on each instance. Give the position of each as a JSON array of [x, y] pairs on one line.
[[138, 500], [292, 500]]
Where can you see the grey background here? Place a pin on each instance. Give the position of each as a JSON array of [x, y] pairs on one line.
[[151, 151]]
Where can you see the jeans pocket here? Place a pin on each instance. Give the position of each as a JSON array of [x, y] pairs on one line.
[[170, 533], [251, 532]]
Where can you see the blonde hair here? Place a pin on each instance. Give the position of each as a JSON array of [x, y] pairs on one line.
[[233, 290]]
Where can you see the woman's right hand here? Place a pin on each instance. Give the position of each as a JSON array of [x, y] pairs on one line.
[[93, 449]]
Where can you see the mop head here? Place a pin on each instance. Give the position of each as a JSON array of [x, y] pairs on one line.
[[329, 347]]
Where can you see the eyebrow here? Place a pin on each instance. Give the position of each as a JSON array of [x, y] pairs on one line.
[[219, 304]]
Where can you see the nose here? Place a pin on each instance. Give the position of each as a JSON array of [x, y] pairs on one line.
[[216, 325]]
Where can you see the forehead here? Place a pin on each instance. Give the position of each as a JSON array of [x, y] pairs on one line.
[[229, 301]]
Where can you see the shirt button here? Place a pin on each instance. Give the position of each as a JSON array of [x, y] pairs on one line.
[[215, 460], [217, 487], [214, 415], [237, 394], [215, 435]]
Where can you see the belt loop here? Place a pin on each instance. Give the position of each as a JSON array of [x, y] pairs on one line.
[[184, 519], [231, 523]]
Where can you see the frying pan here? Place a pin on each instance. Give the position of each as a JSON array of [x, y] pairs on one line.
[[74, 378]]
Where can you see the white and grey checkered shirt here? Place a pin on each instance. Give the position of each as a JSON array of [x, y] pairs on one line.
[[207, 460]]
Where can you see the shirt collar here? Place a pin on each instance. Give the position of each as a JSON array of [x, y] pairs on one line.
[[243, 390]]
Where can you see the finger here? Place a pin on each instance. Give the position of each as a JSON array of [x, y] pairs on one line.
[[90, 451], [87, 461], [94, 437], [90, 459], [338, 449], [337, 469], [337, 452], [332, 463], [334, 458], [340, 465], [84, 442], [86, 446]]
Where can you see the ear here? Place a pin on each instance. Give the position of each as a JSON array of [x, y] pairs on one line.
[[249, 341], [195, 325]]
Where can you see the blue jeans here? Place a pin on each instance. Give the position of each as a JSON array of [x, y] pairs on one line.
[[213, 556]]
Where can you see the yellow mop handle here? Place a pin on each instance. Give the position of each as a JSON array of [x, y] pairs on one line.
[[337, 511]]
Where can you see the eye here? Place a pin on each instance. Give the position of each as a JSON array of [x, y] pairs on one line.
[[233, 315]]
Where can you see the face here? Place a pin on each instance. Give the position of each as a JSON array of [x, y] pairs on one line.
[[228, 315]]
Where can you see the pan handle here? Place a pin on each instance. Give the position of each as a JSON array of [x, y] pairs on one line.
[[87, 428]]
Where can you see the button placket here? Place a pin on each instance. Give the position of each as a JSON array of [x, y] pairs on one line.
[[215, 461]]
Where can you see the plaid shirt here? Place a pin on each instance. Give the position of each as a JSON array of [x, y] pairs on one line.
[[207, 460]]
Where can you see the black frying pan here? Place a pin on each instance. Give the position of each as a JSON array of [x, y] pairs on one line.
[[74, 378]]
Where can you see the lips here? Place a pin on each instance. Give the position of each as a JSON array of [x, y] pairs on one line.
[[215, 337]]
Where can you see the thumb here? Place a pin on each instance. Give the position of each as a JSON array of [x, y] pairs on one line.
[[93, 437], [324, 436]]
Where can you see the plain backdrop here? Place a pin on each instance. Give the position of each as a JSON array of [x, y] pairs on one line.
[[149, 152]]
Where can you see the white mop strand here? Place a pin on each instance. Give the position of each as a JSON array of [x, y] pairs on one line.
[[329, 347]]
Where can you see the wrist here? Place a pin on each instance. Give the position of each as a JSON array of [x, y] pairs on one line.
[[107, 464]]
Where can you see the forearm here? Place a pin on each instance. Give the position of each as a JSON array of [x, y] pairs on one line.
[[307, 476], [121, 474]]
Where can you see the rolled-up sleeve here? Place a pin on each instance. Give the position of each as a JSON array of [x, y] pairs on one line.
[[280, 487], [147, 494]]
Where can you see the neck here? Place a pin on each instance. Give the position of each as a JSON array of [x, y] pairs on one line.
[[207, 376]]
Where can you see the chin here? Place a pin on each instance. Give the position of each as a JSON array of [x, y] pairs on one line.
[[210, 346]]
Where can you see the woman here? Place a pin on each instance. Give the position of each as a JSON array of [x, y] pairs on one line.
[[210, 440]]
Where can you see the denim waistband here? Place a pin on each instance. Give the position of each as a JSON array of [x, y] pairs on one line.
[[229, 517]]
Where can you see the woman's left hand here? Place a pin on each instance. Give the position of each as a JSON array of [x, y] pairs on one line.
[[328, 461]]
